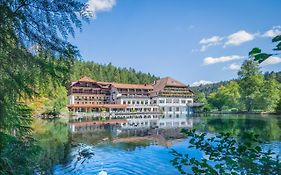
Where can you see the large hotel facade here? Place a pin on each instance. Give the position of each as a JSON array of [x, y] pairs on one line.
[[165, 96]]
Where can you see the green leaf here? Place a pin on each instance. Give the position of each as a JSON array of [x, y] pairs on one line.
[[262, 57], [254, 51], [277, 38], [278, 47]]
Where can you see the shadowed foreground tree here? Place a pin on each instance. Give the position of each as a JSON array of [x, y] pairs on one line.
[[223, 154], [34, 51]]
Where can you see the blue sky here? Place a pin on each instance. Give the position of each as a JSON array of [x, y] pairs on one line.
[[190, 40]]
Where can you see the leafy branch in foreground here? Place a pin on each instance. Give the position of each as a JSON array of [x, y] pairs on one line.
[[224, 154], [260, 56], [34, 52]]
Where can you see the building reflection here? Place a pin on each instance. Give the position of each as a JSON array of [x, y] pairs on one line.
[[133, 122]]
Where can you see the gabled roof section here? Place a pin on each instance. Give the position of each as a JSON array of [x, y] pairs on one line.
[[132, 86], [167, 81], [83, 79], [87, 79]]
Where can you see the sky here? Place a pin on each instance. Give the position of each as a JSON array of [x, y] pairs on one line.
[[193, 41]]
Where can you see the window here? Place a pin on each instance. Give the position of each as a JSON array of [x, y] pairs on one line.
[[168, 100], [170, 109], [124, 102], [176, 100], [162, 101], [177, 109], [183, 101]]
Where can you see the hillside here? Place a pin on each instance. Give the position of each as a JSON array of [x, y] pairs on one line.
[[209, 88], [110, 73]]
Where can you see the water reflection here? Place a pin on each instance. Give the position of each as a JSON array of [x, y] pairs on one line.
[[268, 127], [136, 144], [53, 138]]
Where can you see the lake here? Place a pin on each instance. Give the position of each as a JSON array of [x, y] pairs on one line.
[[137, 145]]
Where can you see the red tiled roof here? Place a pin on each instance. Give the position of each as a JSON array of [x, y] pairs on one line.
[[98, 105], [167, 81], [87, 79], [132, 86]]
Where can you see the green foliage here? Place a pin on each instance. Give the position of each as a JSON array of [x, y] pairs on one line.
[[224, 154], [200, 98], [226, 96], [258, 55], [250, 82], [34, 52], [270, 95], [16, 143], [278, 106], [256, 92], [268, 128], [110, 73], [277, 39], [53, 139], [209, 88], [217, 99]]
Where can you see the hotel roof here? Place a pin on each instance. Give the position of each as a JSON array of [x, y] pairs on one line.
[[167, 81], [86, 79], [132, 86], [116, 85]]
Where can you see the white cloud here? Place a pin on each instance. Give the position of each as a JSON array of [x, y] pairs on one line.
[[276, 30], [95, 6], [234, 66], [213, 60], [213, 39], [207, 42], [201, 82], [239, 37], [271, 60]]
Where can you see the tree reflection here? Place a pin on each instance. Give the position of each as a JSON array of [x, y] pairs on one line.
[[268, 127], [53, 139]]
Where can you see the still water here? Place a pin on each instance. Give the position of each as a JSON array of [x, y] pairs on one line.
[[137, 145]]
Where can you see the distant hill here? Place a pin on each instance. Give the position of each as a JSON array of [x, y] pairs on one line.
[[209, 88]]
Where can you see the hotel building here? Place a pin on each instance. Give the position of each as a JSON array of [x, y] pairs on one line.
[[172, 96], [89, 96], [166, 96]]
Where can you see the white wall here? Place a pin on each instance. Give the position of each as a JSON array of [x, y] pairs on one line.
[[70, 99]]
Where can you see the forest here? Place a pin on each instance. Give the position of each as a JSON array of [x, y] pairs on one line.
[[252, 91], [209, 88]]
